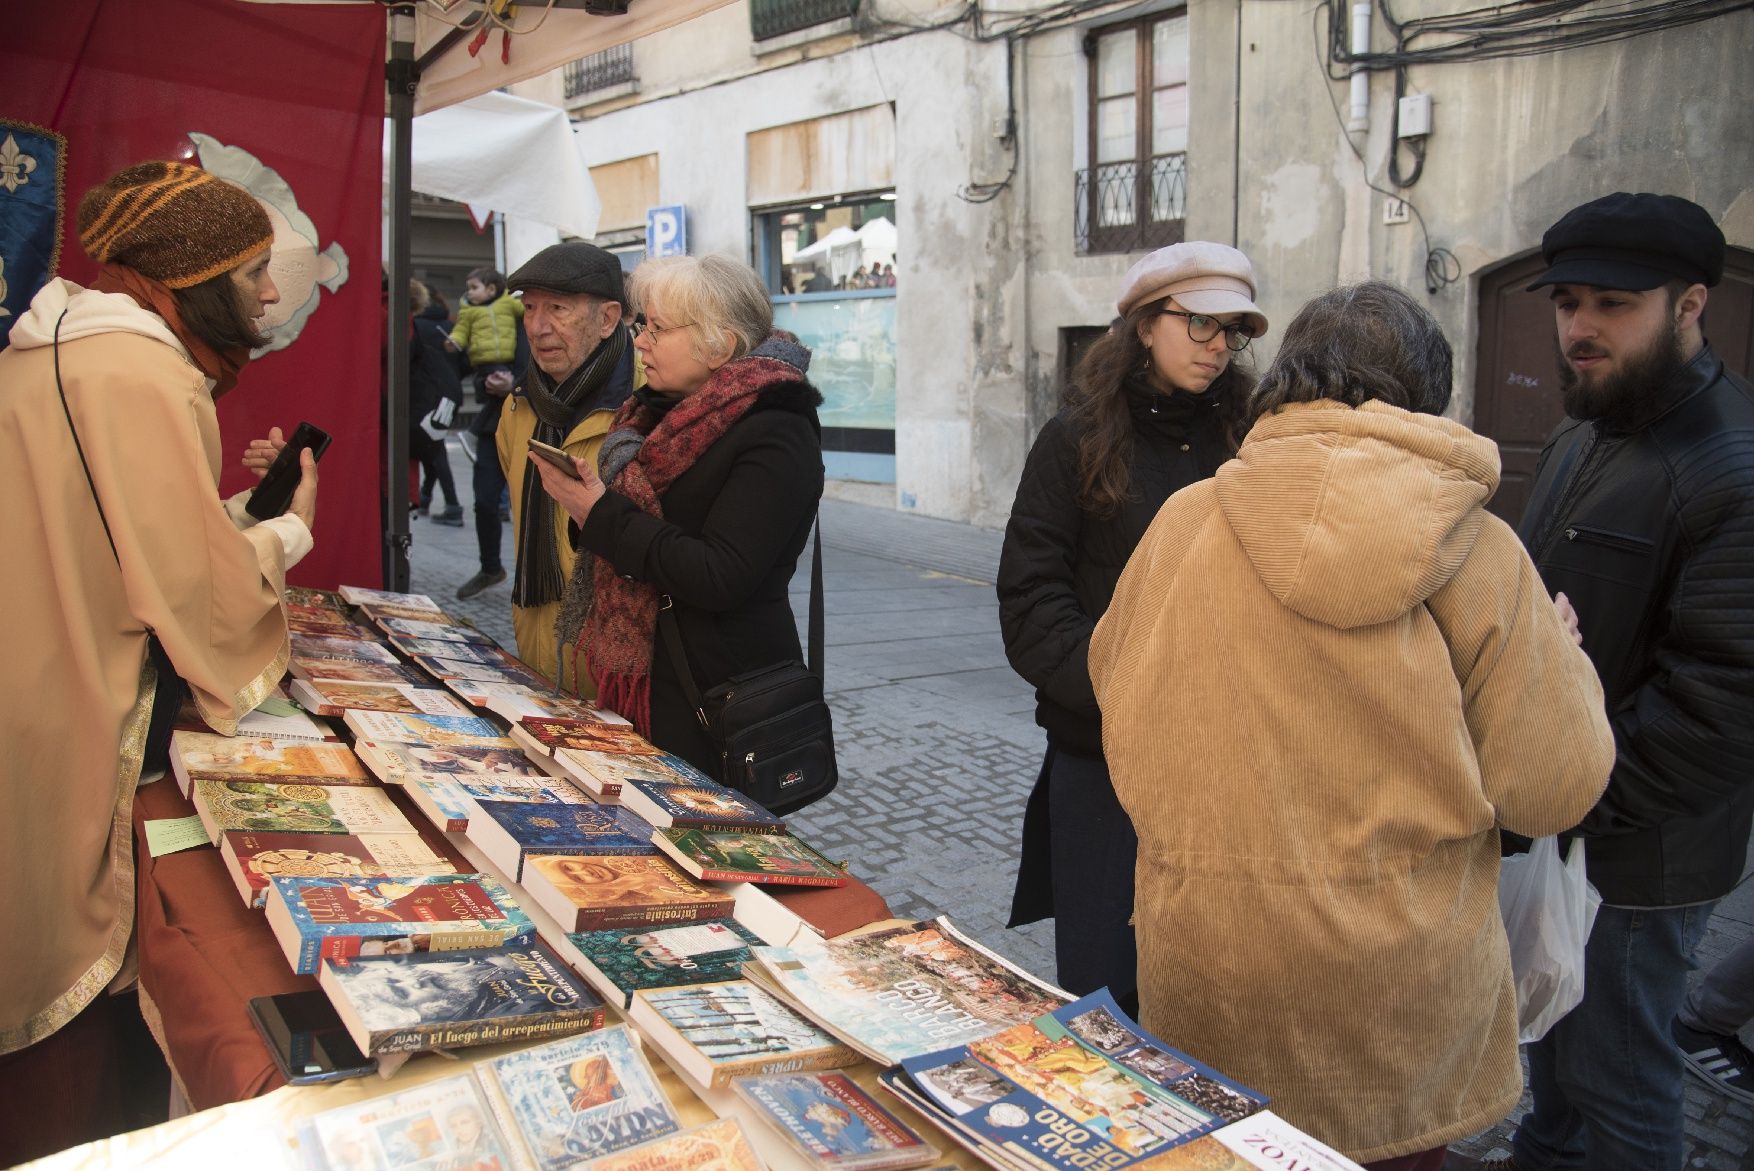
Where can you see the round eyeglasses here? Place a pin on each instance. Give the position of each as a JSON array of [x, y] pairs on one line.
[[1202, 329], [641, 325]]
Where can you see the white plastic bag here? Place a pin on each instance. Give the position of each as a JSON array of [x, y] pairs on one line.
[[1548, 908]]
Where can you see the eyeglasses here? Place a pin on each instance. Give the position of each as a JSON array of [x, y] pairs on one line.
[[1202, 329], [641, 325]]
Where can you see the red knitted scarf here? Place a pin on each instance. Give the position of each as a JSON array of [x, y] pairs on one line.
[[622, 626]]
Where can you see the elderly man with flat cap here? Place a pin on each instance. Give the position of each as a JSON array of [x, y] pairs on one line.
[[581, 369], [1642, 514]]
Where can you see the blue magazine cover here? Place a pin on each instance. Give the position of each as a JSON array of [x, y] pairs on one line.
[[1082, 1086], [519, 829], [581, 1098], [344, 916], [829, 1118]]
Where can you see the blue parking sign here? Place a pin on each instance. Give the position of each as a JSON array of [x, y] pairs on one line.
[[667, 231]]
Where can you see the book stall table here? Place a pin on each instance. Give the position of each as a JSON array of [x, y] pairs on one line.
[[203, 954]]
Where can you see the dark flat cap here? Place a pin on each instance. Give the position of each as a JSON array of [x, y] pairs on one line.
[[570, 267], [1633, 242]]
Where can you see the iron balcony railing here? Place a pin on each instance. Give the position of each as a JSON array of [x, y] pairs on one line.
[[1123, 207], [776, 18], [611, 67]]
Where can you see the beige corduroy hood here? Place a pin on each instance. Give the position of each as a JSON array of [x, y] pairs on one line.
[[1339, 525]]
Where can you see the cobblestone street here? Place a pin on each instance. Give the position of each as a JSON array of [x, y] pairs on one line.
[[938, 746]]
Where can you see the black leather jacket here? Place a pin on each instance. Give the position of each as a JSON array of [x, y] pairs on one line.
[[1059, 565], [1650, 533]]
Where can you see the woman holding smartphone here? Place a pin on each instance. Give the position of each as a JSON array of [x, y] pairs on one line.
[[1154, 407], [126, 578]]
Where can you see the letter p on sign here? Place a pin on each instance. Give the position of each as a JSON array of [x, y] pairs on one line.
[[666, 231]]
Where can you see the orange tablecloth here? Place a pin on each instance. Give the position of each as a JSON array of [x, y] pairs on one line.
[[204, 955]]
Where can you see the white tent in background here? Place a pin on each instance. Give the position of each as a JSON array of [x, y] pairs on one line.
[[836, 254], [877, 243]]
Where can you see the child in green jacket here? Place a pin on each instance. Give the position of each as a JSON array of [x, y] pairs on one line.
[[487, 327]]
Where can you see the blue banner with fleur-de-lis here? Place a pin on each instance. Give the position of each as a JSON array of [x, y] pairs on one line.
[[32, 166]]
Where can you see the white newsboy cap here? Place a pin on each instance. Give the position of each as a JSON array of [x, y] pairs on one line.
[[1203, 277]]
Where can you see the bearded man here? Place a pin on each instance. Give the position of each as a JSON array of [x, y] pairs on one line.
[[1642, 513], [582, 368]]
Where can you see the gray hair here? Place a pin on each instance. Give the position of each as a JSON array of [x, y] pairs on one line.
[[722, 300], [1359, 343]]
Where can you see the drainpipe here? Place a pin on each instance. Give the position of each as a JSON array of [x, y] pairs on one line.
[[1360, 119]]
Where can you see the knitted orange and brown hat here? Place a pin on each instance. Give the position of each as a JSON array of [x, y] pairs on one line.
[[172, 222]]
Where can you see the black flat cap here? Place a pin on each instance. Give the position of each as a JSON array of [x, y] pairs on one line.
[[570, 267], [1633, 242]]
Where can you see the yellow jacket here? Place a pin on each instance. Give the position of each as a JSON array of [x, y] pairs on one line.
[[488, 334], [534, 626], [1327, 678]]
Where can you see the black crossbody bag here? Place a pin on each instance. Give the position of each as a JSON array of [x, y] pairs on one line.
[[771, 728], [167, 695]]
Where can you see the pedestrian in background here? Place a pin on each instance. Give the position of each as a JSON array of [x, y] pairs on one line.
[[487, 332], [1327, 677], [1155, 406], [434, 395], [1642, 512]]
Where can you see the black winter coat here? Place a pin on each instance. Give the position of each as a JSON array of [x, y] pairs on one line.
[[1650, 533], [725, 550], [1059, 565], [432, 371]]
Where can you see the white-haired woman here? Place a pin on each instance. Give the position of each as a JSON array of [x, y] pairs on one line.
[[709, 483]]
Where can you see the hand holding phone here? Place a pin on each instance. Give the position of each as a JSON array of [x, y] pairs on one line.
[[274, 494], [554, 455]]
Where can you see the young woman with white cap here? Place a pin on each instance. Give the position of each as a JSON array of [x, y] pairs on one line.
[[1153, 408]]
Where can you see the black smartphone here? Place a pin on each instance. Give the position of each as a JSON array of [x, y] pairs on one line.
[[555, 456], [274, 493], [307, 1038]]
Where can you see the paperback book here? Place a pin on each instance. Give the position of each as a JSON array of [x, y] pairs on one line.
[[712, 1033], [339, 918], [442, 1125], [420, 728], [323, 621], [747, 857], [243, 757], [449, 801], [582, 1098], [360, 596], [619, 963], [373, 611], [473, 652], [321, 599], [903, 991], [1260, 1142], [513, 701], [394, 762], [295, 807], [458, 673], [455, 999], [700, 805], [334, 697], [416, 628], [543, 735], [304, 666], [253, 858], [362, 649], [719, 1145], [508, 832], [833, 1123], [1077, 1087], [594, 892]]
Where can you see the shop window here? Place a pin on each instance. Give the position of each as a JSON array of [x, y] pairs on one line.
[[830, 265], [1133, 193]]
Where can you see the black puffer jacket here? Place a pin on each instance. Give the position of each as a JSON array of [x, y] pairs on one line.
[[1650, 533], [1059, 565]]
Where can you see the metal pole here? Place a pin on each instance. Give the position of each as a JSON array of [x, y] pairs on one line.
[[400, 77]]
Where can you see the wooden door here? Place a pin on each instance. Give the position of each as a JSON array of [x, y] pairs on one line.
[[1516, 369]]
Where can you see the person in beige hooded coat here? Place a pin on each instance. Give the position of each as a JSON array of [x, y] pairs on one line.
[[1327, 679]]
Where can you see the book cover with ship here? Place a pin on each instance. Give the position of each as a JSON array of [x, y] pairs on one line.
[[1080, 1086], [393, 762], [508, 832], [241, 757], [719, 1145], [252, 858], [833, 1123], [578, 1099], [712, 1033], [361, 596], [905, 990], [295, 807], [334, 697], [748, 857], [338, 918], [442, 1125], [620, 962], [545, 734], [363, 649], [700, 805], [420, 628], [420, 728], [454, 999], [472, 652], [593, 892]]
